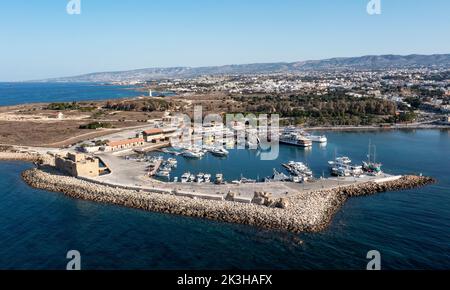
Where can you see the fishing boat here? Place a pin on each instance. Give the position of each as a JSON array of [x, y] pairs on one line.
[[340, 162], [316, 138], [247, 180], [185, 177], [341, 171], [298, 169], [172, 162], [251, 145], [342, 166], [193, 154], [207, 178], [200, 178], [220, 151], [163, 173], [219, 178], [277, 176], [356, 170]]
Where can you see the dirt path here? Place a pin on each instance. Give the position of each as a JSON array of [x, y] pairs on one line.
[[90, 135]]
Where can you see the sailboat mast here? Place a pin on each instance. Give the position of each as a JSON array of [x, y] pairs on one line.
[[374, 153]]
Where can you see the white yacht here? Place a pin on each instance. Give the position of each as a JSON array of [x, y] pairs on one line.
[[342, 166], [207, 178], [219, 178], [172, 162], [220, 151], [193, 154], [163, 173], [340, 171], [185, 177], [200, 178], [298, 169], [356, 170], [340, 161]]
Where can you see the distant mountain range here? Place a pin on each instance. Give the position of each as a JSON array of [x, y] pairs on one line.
[[343, 63]]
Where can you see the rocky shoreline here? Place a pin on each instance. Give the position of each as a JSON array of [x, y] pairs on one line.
[[305, 212]]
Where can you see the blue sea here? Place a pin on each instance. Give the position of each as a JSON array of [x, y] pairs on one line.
[[21, 93], [409, 228]]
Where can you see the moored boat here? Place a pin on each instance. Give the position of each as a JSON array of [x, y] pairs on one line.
[[295, 139], [207, 178], [185, 177], [219, 178], [220, 151], [193, 154]]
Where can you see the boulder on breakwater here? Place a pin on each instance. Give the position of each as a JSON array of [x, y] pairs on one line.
[[310, 211], [267, 199]]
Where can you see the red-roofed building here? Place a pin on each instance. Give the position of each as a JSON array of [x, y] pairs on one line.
[[124, 144], [154, 135]]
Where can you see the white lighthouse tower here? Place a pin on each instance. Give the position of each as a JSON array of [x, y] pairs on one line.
[[150, 93]]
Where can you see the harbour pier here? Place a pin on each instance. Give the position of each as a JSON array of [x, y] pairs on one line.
[[308, 211]]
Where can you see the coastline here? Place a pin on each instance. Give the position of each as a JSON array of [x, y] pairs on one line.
[[311, 212]]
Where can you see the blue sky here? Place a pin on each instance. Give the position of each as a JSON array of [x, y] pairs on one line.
[[40, 40]]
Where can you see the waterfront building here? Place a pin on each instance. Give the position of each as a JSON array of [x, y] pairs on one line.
[[156, 135], [78, 165], [124, 144], [153, 135]]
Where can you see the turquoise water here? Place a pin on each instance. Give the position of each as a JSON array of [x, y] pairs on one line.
[[409, 228], [21, 93]]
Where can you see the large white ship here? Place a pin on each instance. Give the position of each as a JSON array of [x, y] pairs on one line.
[[295, 139], [314, 138]]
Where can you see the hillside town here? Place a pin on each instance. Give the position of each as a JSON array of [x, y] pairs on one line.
[[427, 89]]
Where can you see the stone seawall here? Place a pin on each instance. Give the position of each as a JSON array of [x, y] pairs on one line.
[[310, 212]]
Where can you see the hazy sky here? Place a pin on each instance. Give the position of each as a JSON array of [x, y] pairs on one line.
[[40, 40]]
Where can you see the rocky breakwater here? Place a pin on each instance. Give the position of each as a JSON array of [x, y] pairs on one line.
[[303, 212], [336, 197]]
